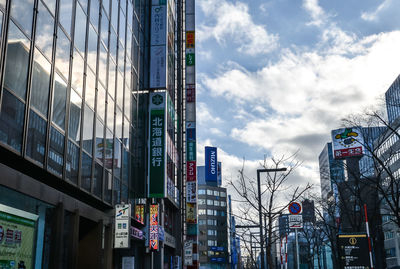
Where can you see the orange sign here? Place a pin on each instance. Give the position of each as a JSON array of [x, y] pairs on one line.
[[139, 213], [153, 227]]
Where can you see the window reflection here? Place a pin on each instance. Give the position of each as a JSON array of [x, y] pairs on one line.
[[120, 89], [17, 60], [56, 152], [62, 53], [92, 48], [22, 12], [98, 180], [106, 6], [88, 130], [11, 120], [72, 162], [44, 31], [78, 66], [101, 102], [117, 158], [114, 13], [74, 116], [107, 187], [110, 113], [122, 25], [65, 15], [113, 44], [121, 53], [124, 193], [51, 4], [125, 169], [94, 13], [90, 88], [36, 138], [59, 101], [80, 29], [86, 174], [117, 191], [104, 29], [127, 98], [108, 150], [126, 132], [111, 78], [3, 3], [103, 64], [40, 83], [99, 141], [118, 123], [84, 4]]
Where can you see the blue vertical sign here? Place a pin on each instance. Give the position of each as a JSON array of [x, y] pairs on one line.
[[211, 172]]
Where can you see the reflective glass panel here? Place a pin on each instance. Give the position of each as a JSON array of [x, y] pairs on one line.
[[108, 152], [3, 3], [40, 83], [99, 147], [88, 130], [17, 60], [84, 4], [129, 44], [77, 72], [90, 88], [117, 191], [104, 29], [106, 6], [65, 15], [36, 138], [122, 27], [120, 90], [101, 102], [117, 158], [124, 193], [59, 101], [62, 53], [113, 45], [44, 31], [12, 117], [74, 123], [92, 48], [107, 187], [114, 13], [111, 78], [80, 29], [127, 98], [110, 113], [125, 167], [22, 12], [94, 13], [130, 16], [72, 164], [98, 180], [56, 152], [126, 132], [86, 175], [103, 65], [51, 4], [118, 123]]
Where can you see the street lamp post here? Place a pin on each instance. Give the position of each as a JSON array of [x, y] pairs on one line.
[[259, 171]]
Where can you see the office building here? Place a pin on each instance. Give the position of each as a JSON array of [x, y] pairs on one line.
[[78, 92], [392, 98]]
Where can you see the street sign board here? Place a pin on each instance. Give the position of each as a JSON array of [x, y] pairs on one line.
[[295, 221], [353, 251], [294, 208], [122, 225]]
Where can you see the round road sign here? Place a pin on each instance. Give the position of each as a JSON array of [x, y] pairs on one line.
[[294, 208]]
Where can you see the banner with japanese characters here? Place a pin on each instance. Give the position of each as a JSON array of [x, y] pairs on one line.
[[153, 233], [157, 148], [122, 225], [17, 237], [139, 213]]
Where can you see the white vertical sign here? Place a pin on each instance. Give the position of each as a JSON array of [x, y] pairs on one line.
[[122, 226]]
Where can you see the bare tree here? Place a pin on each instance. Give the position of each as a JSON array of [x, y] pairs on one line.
[[276, 195]]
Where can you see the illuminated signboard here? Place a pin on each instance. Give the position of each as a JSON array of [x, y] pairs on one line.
[[153, 227], [347, 142]]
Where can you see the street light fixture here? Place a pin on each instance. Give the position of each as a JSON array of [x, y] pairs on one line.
[[259, 171]]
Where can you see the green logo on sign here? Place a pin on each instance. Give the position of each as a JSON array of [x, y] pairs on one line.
[[157, 99]]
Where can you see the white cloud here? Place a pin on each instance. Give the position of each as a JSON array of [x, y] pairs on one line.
[[234, 22], [374, 15], [316, 12], [203, 115]]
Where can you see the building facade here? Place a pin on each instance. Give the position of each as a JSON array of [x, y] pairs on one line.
[[75, 117]]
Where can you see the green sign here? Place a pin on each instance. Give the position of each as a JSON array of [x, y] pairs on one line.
[[157, 154], [17, 237], [190, 59], [191, 150]]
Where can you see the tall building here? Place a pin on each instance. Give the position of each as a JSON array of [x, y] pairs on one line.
[[392, 98], [91, 93], [214, 247]]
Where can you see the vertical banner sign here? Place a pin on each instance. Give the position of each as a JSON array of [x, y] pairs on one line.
[[191, 192], [17, 238], [139, 213], [122, 226], [211, 170], [157, 148], [153, 234], [158, 42]]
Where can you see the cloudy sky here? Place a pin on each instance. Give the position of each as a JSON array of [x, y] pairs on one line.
[[275, 76]]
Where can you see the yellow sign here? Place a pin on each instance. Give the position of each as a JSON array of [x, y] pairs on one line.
[[190, 39], [353, 241]]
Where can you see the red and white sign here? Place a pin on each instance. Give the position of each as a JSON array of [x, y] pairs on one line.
[[153, 227], [191, 170], [347, 142]]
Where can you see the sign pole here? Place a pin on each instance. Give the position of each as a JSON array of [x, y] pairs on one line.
[[297, 250], [369, 238]]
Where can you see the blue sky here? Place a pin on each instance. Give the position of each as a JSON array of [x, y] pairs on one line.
[[274, 77]]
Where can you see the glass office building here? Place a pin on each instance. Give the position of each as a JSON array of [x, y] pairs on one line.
[[74, 76]]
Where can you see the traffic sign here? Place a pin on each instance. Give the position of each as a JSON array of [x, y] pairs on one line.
[[295, 221], [294, 208]]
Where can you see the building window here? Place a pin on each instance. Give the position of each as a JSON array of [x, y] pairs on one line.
[[212, 243], [216, 193], [209, 192], [212, 232], [202, 192], [202, 211], [210, 212], [202, 201], [216, 203], [389, 235], [212, 222], [202, 221], [223, 203], [391, 252], [223, 194], [210, 202]]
